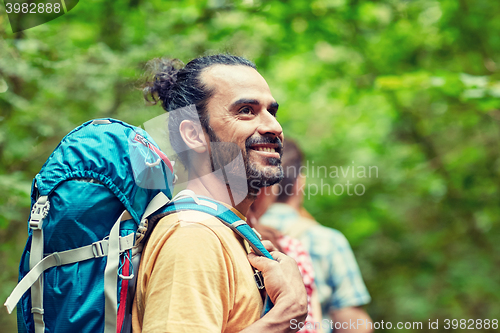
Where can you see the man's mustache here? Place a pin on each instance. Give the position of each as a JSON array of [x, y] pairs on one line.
[[253, 140]]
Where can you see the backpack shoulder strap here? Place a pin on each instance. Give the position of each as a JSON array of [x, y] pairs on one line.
[[187, 200], [224, 214]]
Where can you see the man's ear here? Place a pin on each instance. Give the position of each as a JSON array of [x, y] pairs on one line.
[[193, 136]]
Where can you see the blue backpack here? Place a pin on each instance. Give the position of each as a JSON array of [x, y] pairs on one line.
[[91, 203]]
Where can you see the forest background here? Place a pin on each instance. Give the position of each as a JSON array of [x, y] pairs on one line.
[[409, 87]]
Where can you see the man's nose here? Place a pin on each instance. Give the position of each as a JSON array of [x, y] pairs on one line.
[[270, 125]]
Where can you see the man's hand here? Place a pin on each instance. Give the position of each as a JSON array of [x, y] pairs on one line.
[[285, 287], [281, 277], [269, 246]]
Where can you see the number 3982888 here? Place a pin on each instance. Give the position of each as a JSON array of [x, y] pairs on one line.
[[33, 8]]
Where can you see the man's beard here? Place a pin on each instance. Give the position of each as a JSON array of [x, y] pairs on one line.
[[224, 157]]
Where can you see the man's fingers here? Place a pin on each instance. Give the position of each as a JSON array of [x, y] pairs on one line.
[[279, 256], [255, 260], [259, 262], [281, 277], [263, 263], [269, 246]]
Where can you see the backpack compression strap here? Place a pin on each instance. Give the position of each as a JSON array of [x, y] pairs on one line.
[[111, 247], [228, 218]]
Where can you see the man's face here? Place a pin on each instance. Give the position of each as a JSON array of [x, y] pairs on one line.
[[242, 117]]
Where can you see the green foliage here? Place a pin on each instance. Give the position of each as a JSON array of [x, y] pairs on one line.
[[408, 87]]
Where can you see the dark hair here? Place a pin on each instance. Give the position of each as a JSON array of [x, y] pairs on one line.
[[291, 161], [178, 86]]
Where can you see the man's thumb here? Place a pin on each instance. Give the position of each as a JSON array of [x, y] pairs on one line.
[[258, 262]]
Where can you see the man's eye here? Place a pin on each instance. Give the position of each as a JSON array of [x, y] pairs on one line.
[[245, 110]]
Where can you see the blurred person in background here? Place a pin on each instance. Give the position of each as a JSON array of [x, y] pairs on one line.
[[341, 289]]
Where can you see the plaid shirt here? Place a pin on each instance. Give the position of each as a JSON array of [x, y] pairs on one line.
[[336, 271]]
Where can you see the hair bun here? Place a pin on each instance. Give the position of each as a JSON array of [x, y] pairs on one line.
[[160, 79]]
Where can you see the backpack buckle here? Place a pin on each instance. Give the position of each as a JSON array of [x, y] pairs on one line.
[[141, 231], [37, 310], [98, 250], [259, 279], [39, 212]]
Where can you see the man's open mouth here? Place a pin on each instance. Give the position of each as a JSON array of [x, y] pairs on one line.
[[266, 149], [272, 150]]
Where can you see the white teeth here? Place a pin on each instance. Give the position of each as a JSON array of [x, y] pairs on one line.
[[269, 150]]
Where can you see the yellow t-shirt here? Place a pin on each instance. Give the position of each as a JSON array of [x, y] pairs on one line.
[[195, 277]]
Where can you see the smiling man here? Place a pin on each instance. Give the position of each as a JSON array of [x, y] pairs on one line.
[[196, 274]]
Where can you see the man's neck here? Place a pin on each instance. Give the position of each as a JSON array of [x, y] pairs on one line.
[[211, 186]]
